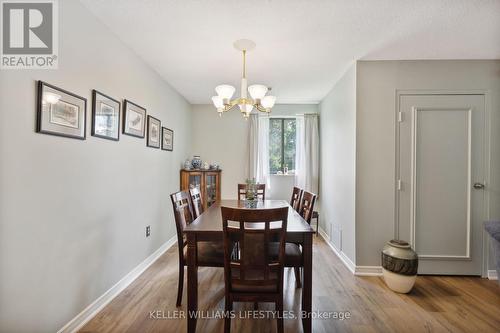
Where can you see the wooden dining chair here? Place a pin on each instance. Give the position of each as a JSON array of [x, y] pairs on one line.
[[196, 201], [255, 275], [209, 254], [293, 250], [296, 197], [306, 208], [261, 191]]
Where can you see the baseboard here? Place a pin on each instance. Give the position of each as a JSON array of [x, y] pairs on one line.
[[368, 271], [88, 313], [492, 274], [356, 270], [341, 255]]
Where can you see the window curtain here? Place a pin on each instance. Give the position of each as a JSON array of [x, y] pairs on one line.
[[307, 153], [259, 148]]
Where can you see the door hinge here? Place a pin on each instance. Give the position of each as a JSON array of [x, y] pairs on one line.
[[400, 117], [399, 185]]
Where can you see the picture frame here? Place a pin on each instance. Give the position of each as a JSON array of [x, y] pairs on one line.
[[167, 139], [154, 132], [105, 116], [60, 112], [134, 119]]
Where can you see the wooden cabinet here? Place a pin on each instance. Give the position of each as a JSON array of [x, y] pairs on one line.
[[208, 181]]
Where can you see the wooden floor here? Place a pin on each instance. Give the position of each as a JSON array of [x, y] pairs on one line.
[[436, 304]]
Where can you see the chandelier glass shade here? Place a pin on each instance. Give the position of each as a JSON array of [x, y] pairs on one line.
[[258, 99]]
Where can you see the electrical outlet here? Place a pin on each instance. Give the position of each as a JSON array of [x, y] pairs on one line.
[[148, 231]]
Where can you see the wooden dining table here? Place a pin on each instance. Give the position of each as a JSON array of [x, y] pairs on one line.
[[208, 227]]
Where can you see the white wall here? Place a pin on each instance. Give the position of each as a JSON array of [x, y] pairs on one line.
[[338, 163], [225, 140], [73, 213], [377, 82]]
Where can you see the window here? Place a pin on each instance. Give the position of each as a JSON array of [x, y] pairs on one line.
[[282, 145]]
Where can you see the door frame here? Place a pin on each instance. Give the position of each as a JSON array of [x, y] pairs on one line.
[[487, 156]]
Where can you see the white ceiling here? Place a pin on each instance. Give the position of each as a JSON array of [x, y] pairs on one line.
[[303, 47]]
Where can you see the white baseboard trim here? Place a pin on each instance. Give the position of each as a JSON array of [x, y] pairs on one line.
[[368, 271], [341, 255], [492, 274], [90, 311], [356, 270]]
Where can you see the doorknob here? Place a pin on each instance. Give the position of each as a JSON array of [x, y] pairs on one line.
[[478, 186]]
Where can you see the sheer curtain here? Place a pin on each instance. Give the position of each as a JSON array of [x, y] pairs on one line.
[[307, 153], [259, 148]]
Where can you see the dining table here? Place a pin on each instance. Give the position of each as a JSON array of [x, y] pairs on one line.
[[208, 227]]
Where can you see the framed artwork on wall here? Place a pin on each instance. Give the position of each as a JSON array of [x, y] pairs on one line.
[[167, 141], [105, 116], [134, 119], [154, 128], [60, 112]]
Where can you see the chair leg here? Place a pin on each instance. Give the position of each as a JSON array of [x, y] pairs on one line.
[[317, 225], [180, 284], [279, 309], [227, 319], [297, 277]]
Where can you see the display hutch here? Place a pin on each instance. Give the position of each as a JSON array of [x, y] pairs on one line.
[[208, 181]]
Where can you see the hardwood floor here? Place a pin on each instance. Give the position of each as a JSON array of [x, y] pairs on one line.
[[436, 304]]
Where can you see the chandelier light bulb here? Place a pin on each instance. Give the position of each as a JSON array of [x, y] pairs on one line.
[[225, 91], [257, 91], [268, 101], [218, 103], [245, 108]]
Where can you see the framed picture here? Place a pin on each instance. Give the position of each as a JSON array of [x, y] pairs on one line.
[[154, 128], [134, 119], [105, 116], [60, 112], [167, 139]]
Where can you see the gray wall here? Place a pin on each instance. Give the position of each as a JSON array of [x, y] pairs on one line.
[[338, 163], [73, 213], [225, 140], [377, 82]]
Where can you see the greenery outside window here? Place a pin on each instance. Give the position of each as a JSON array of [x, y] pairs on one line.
[[282, 145]]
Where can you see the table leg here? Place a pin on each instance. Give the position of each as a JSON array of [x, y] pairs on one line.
[[192, 283], [307, 284]]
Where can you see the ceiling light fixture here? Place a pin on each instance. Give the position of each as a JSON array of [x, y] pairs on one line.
[[258, 99]]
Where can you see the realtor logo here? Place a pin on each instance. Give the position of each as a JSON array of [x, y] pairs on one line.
[[29, 34]]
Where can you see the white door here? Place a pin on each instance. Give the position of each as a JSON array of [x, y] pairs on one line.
[[441, 181]]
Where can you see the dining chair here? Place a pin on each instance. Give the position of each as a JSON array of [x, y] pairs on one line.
[[255, 275], [209, 254], [196, 201], [296, 196], [293, 250], [306, 208], [261, 191]]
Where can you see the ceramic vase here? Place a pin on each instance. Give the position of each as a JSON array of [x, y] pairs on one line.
[[399, 266], [196, 162]]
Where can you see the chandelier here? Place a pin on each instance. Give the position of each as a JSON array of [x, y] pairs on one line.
[[258, 100]]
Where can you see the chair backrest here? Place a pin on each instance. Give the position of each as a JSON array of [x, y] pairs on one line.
[[196, 201], [183, 213], [261, 234], [261, 191], [307, 206], [296, 197]]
